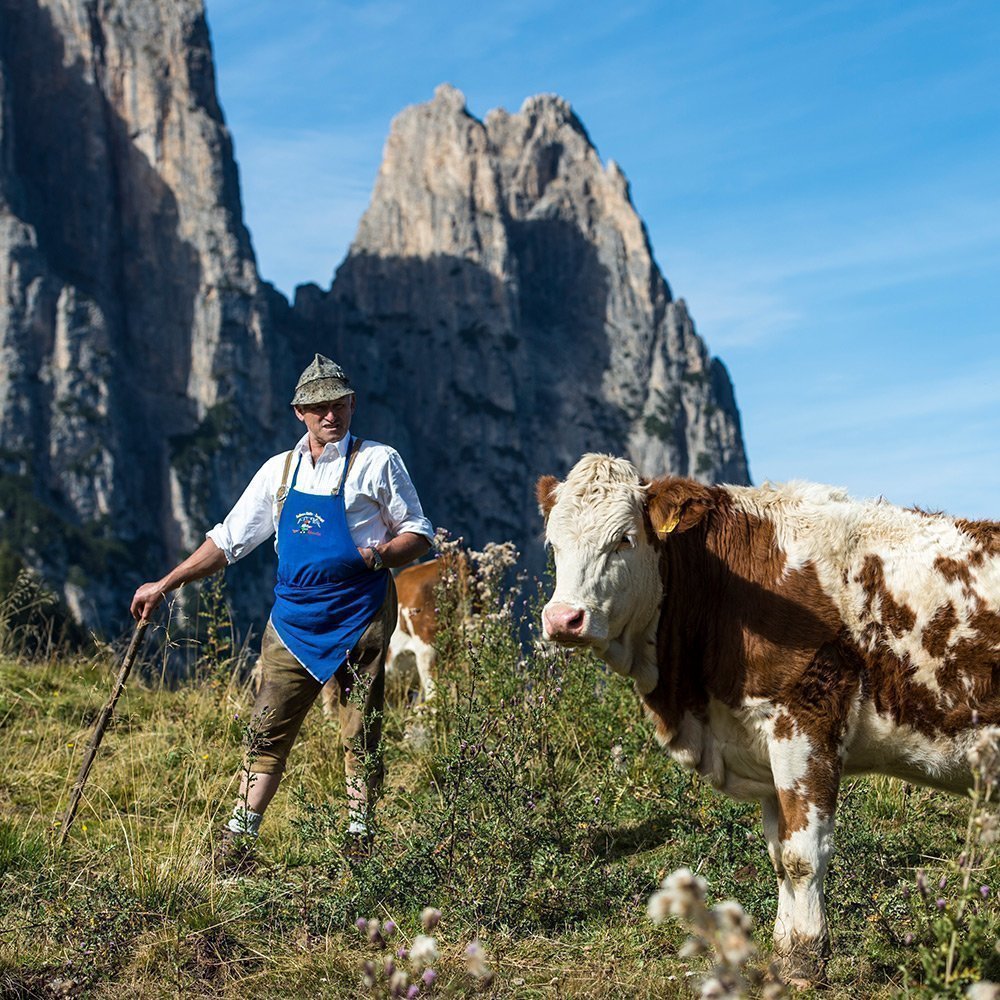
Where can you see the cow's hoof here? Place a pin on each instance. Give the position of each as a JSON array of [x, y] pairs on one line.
[[802, 971]]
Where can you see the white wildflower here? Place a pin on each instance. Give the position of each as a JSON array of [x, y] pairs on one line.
[[682, 895], [423, 951], [985, 753], [735, 947], [729, 915], [430, 917], [692, 948], [712, 989], [476, 959], [983, 991], [989, 828]]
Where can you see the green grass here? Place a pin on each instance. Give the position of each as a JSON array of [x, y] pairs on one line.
[[517, 819]]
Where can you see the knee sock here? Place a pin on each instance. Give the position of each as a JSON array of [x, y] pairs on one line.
[[356, 822], [245, 821]]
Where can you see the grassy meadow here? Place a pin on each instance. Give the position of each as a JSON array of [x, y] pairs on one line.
[[531, 806]]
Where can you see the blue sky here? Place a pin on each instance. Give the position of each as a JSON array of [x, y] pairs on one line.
[[820, 181]]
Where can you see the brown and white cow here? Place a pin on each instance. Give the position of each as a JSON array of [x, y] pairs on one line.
[[782, 637], [412, 643]]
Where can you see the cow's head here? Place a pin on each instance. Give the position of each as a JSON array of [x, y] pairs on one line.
[[605, 526]]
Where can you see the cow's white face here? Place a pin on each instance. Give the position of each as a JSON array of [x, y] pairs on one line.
[[607, 581]]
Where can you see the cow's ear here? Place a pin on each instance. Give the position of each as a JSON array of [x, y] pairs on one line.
[[545, 493], [676, 504]]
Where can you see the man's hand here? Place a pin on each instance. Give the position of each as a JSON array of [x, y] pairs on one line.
[[207, 559], [147, 598]]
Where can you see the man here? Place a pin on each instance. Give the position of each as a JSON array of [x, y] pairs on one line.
[[343, 512]]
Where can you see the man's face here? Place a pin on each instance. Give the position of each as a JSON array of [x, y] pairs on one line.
[[328, 422]]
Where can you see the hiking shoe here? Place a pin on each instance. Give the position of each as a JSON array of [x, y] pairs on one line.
[[358, 846], [234, 853]]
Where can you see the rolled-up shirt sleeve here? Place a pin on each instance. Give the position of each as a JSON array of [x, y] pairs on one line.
[[398, 499], [251, 521]]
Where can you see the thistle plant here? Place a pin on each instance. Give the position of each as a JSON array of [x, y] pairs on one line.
[[723, 932], [955, 916], [251, 732], [407, 971]]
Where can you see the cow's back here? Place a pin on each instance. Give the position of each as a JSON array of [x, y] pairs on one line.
[[416, 590]]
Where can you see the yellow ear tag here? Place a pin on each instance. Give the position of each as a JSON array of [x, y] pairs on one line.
[[667, 528]]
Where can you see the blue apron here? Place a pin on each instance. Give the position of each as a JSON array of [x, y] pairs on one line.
[[325, 595]]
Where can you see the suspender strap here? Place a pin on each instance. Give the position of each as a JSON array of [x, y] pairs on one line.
[[355, 448], [283, 488]]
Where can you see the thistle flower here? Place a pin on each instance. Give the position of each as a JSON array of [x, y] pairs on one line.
[[682, 895], [729, 915], [398, 983], [361, 924], [429, 978], [989, 828], [983, 991], [430, 917], [984, 756], [424, 950], [692, 948], [475, 962], [368, 975]]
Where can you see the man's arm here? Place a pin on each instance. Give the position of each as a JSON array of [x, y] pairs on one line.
[[207, 559], [398, 551]]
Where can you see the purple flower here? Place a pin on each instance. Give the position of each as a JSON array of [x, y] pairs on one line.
[[413, 992], [922, 883], [389, 927], [943, 884], [908, 939], [984, 891], [429, 977], [361, 924], [942, 903], [402, 954]]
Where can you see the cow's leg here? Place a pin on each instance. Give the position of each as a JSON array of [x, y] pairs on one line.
[[426, 660], [807, 779], [784, 922]]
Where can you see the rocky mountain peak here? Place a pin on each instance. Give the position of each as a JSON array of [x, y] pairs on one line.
[[499, 309]]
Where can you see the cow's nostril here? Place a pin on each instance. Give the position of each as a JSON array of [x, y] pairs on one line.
[[564, 620]]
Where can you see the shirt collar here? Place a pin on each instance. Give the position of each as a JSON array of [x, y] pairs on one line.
[[334, 450]]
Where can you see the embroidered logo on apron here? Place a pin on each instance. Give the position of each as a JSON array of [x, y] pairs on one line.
[[307, 523]]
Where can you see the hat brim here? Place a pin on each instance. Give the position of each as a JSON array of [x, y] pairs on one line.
[[321, 390]]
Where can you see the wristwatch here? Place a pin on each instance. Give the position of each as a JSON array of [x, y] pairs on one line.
[[377, 563]]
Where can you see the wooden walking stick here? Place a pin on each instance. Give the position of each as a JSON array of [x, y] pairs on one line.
[[102, 724]]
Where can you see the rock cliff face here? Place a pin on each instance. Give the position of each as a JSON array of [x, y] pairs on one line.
[[133, 335], [500, 309]]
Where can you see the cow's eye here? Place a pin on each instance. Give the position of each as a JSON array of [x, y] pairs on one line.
[[627, 541]]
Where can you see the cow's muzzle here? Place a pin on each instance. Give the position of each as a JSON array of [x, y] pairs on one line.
[[564, 623]]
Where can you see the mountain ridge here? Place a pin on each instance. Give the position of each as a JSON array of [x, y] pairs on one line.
[[500, 310]]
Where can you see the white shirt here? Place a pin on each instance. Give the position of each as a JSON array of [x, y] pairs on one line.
[[379, 496]]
